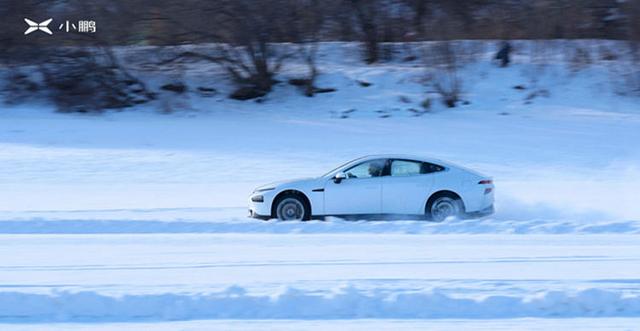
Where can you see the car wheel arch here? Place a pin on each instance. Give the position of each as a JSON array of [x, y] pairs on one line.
[[290, 192], [443, 193]]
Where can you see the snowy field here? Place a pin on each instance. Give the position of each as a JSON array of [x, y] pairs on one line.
[[137, 220]]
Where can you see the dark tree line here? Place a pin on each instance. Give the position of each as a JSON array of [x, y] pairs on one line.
[[249, 35], [171, 22]]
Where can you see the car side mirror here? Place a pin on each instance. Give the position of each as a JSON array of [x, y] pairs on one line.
[[339, 177]]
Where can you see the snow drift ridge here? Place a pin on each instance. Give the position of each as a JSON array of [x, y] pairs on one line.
[[334, 225], [235, 303]]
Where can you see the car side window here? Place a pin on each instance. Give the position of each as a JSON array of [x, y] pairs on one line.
[[411, 168], [368, 169], [405, 168], [427, 168]]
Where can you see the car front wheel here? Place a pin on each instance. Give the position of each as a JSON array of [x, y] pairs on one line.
[[291, 208]]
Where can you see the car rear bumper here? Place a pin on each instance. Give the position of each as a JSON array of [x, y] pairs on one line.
[[480, 213]]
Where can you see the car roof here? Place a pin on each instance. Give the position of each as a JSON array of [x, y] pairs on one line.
[[420, 158], [406, 157], [402, 156]]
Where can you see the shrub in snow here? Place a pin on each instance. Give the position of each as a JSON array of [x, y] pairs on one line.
[[503, 55], [444, 60], [308, 86], [19, 86], [247, 93], [177, 87], [206, 91], [579, 59], [81, 80], [606, 54], [426, 104]]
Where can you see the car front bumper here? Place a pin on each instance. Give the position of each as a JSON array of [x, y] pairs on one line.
[[253, 214], [260, 204]]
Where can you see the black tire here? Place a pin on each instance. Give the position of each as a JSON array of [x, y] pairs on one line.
[[291, 207], [444, 205]]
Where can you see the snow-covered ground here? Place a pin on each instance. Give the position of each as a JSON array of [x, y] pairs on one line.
[[524, 324], [138, 218], [200, 276]]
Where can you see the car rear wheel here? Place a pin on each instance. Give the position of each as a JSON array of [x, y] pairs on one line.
[[444, 207], [291, 208]]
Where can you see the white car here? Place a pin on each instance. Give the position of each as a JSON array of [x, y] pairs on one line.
[[379, 185]]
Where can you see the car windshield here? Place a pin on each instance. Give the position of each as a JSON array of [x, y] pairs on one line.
[[367, 169], [341, 166]]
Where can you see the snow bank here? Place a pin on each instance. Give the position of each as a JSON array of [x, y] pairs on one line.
[[235, 303], [332, 225]]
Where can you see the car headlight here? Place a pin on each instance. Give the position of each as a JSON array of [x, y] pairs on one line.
[[257, 198]]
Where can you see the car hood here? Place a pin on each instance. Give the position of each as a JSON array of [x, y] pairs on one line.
[[290, 182]]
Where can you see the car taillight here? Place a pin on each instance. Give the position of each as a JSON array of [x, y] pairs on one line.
[[485, 181]]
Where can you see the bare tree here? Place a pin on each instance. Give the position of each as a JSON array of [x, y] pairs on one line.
[[368, 13], [443, 71], [248, 38], [305, 33], [632, 13], [420, 11], [249, 54]]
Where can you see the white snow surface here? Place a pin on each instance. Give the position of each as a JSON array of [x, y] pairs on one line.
[[227, 220], [160, 277], [137, 218], [524, 324]]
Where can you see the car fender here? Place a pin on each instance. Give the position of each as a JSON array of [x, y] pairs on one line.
[[312, 189]]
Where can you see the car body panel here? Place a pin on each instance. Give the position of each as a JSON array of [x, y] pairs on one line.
[[406, 194], [353, 196]]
